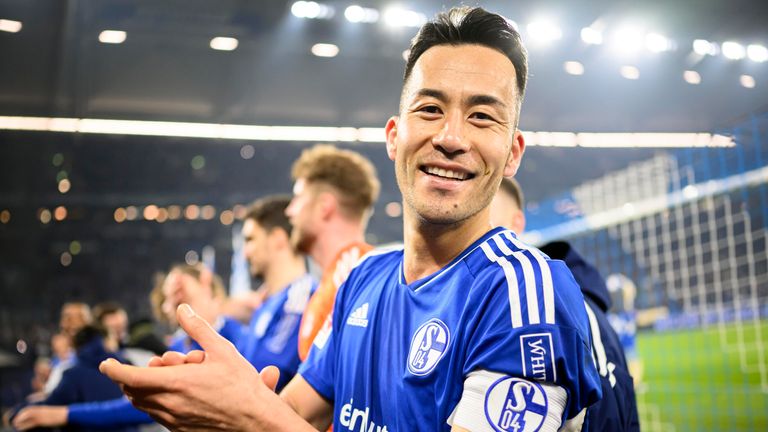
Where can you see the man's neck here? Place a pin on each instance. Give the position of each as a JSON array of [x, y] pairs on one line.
[[334, 239], [430, 247], [284, 269]]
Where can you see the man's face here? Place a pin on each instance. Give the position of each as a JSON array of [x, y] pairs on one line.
[[61, 344], [116, 324], [303, 216], [255, 247], [456, 136], [179, 288], [73, 318], [506, 213]]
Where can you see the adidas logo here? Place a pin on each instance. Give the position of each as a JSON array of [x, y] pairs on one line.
[[359, 317]]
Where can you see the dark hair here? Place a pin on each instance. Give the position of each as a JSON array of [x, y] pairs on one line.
[[269, 213], [511, 187], [86, 335], [466, 25], [106, 308]]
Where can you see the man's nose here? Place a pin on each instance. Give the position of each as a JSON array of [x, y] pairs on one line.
[[451, 138]]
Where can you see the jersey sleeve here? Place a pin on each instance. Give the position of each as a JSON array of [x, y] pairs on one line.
[[535, 340], [106, 414]]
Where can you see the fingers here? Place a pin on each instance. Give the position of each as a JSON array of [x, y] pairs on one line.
[[199, 330], [195, 356], [22, 421], [270, 375], [173, 358], [136, 377]]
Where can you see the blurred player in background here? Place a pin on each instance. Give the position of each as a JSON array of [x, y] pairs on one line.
[[333, 197]]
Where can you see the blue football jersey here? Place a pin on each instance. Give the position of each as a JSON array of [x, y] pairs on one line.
[[396, 355], [271, 338]]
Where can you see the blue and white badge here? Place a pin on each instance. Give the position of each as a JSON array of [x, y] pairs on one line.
[[538, 357], [428, 345], [515, 405]]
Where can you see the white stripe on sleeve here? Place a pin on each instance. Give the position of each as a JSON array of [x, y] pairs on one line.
[[512, 288]]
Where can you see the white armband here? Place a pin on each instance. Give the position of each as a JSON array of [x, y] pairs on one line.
[[496, 402]]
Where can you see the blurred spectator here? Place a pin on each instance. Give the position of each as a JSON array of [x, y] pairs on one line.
[[74, 316], [138, 347], [204, 292], [623, 319], [114, 320], [82, 382]]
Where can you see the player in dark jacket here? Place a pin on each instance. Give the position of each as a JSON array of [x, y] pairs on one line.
[[617, 410]]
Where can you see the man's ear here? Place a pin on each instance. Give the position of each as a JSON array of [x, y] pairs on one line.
[[327, 204], [278, 236], [391, 131], [515, 155]]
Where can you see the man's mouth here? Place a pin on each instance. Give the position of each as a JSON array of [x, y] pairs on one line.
[[446, 173]]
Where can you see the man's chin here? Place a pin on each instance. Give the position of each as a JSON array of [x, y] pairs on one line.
[[441, 217]]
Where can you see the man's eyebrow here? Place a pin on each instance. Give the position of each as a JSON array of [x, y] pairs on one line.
[[480, 99], [486, 100], [437, 94]]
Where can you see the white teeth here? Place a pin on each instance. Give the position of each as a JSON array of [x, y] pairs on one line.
[[446, 173]]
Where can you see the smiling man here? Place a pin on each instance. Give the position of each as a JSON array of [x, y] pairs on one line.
[[464, 327]]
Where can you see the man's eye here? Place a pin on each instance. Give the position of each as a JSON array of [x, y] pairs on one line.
[[481, 116], [431, 109]]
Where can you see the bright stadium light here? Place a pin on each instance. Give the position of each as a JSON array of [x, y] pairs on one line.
[[224, 43], [658, 43], [733, 50], [747, 81], [591, 36], [359, 14], [544, 31], [628, 40], [397, 17], [112, 37], [325, 50], [354, 14], [630, 72], [312, 10], [692, 77], [704, 47], [757, 53], [10, 26], [574, 68]]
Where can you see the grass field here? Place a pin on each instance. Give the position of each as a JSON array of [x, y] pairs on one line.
[[702, 380]]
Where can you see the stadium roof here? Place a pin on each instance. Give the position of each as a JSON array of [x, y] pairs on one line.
[[165, 68]]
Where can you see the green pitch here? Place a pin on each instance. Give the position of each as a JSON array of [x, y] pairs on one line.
[[701, 380]]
